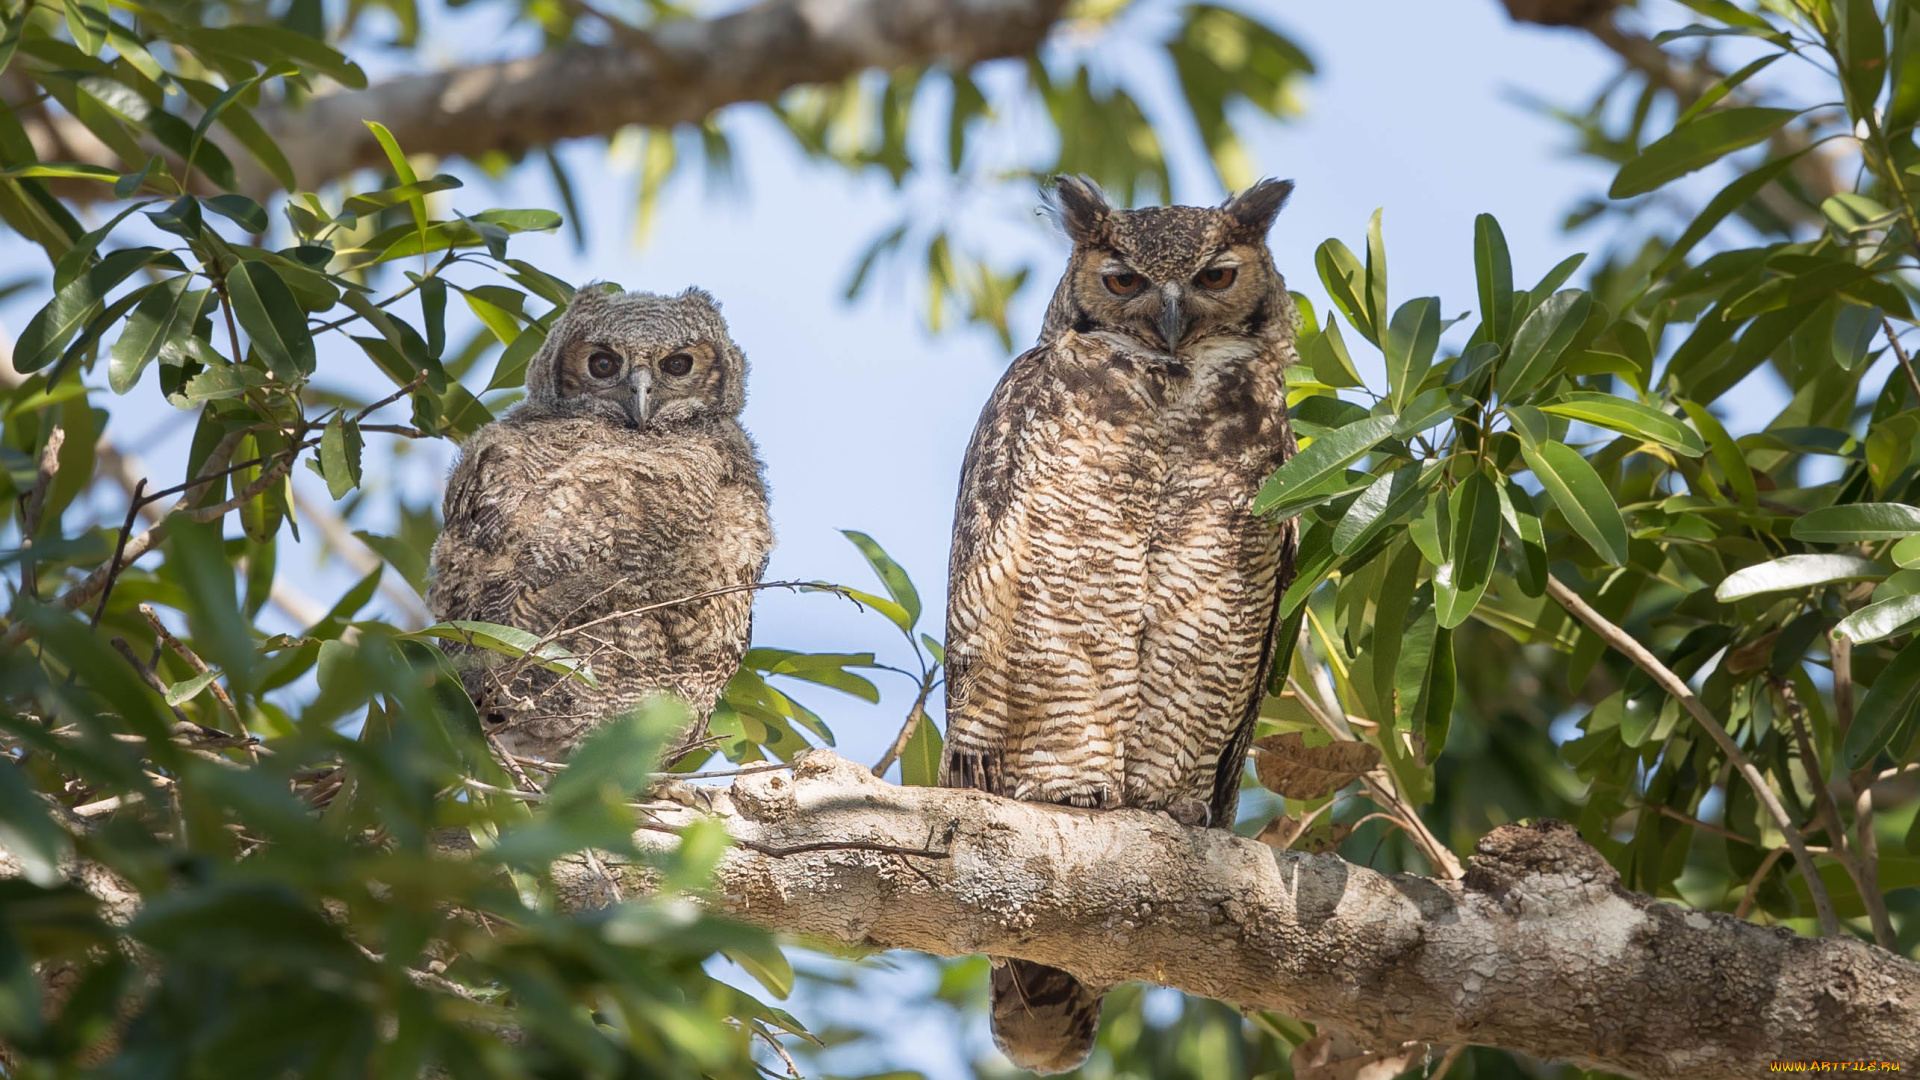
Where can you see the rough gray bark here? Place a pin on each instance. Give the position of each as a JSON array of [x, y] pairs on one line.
[[1538, 949], [678, 72]]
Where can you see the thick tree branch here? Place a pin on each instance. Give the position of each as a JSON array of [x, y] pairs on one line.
[[1538, 949], [678, 72]]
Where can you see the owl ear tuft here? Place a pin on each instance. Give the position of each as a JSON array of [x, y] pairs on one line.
[[1255, 208], [1080, 208]]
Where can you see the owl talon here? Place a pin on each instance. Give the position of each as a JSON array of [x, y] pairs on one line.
[[1190, 812]]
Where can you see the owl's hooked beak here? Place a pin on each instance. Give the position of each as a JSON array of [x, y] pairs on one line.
[[1172, 319], [638, 407]]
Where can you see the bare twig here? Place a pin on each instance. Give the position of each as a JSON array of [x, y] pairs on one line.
[[1906, 362], [1624, 643], [1869, 875], [1753, 886], [199, 666], [1380, 789], [915, 716]]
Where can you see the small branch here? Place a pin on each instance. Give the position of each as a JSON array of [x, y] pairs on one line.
[[1906, 362], [119, 552], [915, 715], [198, 665], [36, 505], [1379, 785], [151, 678], [1624, 643], [1753, 886], [1869, 875]]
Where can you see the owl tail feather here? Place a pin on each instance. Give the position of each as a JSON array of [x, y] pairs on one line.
[[1044, 1019]]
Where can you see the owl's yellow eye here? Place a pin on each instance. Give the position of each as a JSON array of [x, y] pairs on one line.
[[677, 364], [1124, 284], [1215, 277], [603, 365]]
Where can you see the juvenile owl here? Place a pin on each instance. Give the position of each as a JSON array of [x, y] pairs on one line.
[[1112, 600], [620, 488]]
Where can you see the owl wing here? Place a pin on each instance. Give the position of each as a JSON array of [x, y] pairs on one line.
[[1225, 803], [1046, 581], [476, 572]]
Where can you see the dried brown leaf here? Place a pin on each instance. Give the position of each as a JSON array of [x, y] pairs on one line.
[[1288, 766]]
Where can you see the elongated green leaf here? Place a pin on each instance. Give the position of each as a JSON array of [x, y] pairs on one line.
[[187, 689], [1725, 86], [1695, 145], [1581, 495], [1323, 459], [401, 170], [1887, 707], [166, 314], [1539, 343], [510, 641], [272, 319], [1629, 418], [920, 760], [1906, 553], [48, 332], [1385, 502], [1730, 198], [1732, 460], [1459, 584], [898, 584], [1493, 272], [1518, 513], [1412, 338], [1796, 572], [1885, 619], [1436, 697], [1327, 355], [1376, 295], [1853, 332], [1863, 50], [1858, 521], [1345, 278], [340, 456]]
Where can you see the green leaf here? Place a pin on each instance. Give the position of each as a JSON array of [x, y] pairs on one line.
[[767, 964], [509, 641], [898, 584], [87, 21], [28, 834], [1629, 418], [240, 210], [1796, 572], [1327, 355], [1436, 697], [410, 560], [272, 319], [1730, 198], [164, 315], [1581, 495], [1376, 295], [1459, 584], [374, 202], [401, 170], [1518, 513], [1695, 145], [1906, 553], [224, 381], [1385, 502], [187, 689], [1858, 521], [1863, 50], [1853, 332], [1889, 704], [1427, 409], [1493, 272], [1885, 619], [1324, 458], [920, 760], [340, 456], [1732, 460], [1412, 338], [1345, 279], [1540, 342], [48, 332], [1725, 86]]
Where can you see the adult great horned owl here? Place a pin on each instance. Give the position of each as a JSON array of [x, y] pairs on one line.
[[1112, 601], [622, 486]]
